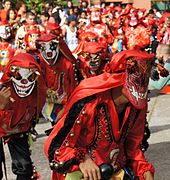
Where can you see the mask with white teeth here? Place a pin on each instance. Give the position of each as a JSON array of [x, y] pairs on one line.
[[136, 81], [49, 51], [93, 61], [23, 80]]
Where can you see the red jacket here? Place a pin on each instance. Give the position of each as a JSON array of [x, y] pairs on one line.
[[60, 77], [93, 127]]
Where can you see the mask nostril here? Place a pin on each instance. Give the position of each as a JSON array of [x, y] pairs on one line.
[[24, 81]]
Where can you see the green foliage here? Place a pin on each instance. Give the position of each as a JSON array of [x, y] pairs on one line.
[[32, 4], [37, 5]]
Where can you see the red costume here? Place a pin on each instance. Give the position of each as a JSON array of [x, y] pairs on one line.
[[96, 26], [59, 73], [18, 116], [92, 59], [92, 125], [23, 76], [163, 33], [6, 49], [137, 36]]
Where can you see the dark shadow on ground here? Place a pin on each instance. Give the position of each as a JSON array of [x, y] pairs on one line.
[[155, 129]]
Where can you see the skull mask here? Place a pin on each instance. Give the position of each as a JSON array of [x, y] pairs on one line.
[[23, 80], [5, 32], [48, 45]]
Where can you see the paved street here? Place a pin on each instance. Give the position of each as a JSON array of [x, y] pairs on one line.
[[158, 152]]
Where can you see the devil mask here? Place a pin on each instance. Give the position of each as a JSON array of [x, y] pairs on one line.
[[48, 46], [23, 72], [136, 66], [94, 54]]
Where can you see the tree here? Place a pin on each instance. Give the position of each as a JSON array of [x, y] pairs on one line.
[[37, 5]]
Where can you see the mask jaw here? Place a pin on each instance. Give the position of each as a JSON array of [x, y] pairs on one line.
[[95, 63], [23, 80]]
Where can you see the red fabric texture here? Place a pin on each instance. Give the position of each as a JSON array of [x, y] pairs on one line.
[[93, 47], [3, 14], [137, 37], [60, 77], [46, 37], [52, 25], [24, 60], [17, 116], [101, 85]]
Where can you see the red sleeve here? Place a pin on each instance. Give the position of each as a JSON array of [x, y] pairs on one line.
[[60, 146], [5, 116], [138, 162]]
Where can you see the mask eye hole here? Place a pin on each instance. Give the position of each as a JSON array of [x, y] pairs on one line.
[[32, 77], [16, 75]]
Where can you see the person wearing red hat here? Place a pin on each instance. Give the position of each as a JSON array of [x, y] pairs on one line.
[[21, 88], [92, 59], [136, 35], [102, 127], [97, 26], [25, 29], [6, 48], [54, 28], [59, 73], [30, 39]]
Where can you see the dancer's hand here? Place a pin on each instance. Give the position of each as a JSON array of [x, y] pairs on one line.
[[89, 169], [5, 94], [148, 175]]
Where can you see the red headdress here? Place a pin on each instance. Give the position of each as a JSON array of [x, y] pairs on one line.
[[93, 47], [137, 66], [88, 36], [46, 37], [53, 26], [130, 68], [164, 16], [83, 38], [23, 60]]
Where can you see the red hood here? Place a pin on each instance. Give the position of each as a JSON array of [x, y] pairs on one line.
[[24, 60]]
